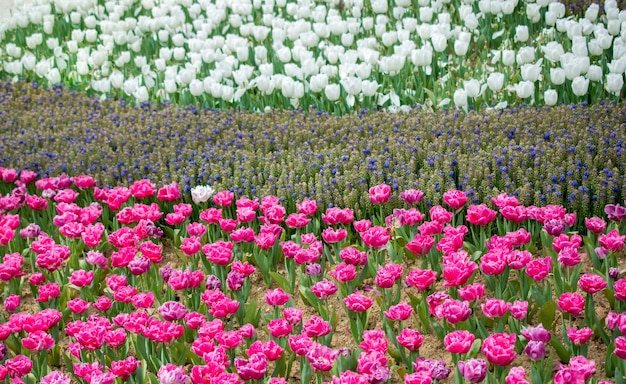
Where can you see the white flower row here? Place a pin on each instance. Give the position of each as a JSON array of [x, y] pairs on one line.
[[308, 52]]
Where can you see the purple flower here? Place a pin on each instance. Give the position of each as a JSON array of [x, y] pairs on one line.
[[554, 227], [536, 350], [473, 370], [172, 310], [172, 374], [614, 273], [213, 282], [166, 272], [139, 265], [30, 231], [313, 269], [615, 212], [538, 333], [235, 280]]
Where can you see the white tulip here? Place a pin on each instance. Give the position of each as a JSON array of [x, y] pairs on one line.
[[557, 76], [91, 35], [617, 65], [130, 85], [508, 7], [265, 84], [524, 89], [521, 33], [553, 51], [53, 76], [525, 55], [163, 35], [34, 40], [460, 98], [558, 9], [472, 88], [380, 6], [389, 38], [461, 47], [13, 50], [367, 23], [531, 72], [605, 40], [82, 68], [614, 26], [347, 39], [422, 57], [201, 193], [508, 57], [363, 70], [332, 92], [196, 88], [439, 42], [227, 93], [592, 12], [495, 7], [379, 30], [42, 68], [179, 53], [425, 31], [72, 46], [352, 85], [426, 14], [471, 22], [579, 46], [614, 83], [369, 88], [29, 61], [550, 97], [48, 24], [595, 73], [117, 79], [594, 48], [580, 84], [318, 83], [141, 94], [533, 11], [329, 70], [14, 67], [550, 18], [495, 81]]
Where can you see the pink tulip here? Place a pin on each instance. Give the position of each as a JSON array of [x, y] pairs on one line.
[[410, 339], [380, 193], [454, 198], [458, 342], [412, 196], [499, 348], [421, 279]]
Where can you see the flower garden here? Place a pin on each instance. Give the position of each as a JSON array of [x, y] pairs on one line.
[[313, 192]]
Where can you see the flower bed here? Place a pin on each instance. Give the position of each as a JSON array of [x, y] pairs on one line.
[[569, 156], [338, 55], [134, 284]]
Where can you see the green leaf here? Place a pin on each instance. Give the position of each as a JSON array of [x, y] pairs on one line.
[[252, 313], [307, 296], [281, 281], [609, 362], [560, 350], [473, 352], [619, 377], [547, 314]]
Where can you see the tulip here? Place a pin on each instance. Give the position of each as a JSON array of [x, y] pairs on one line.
[[614, 83], [521, 33], [550, 97], [525, 89], [495, 81], [460, 98], [580, 86]]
